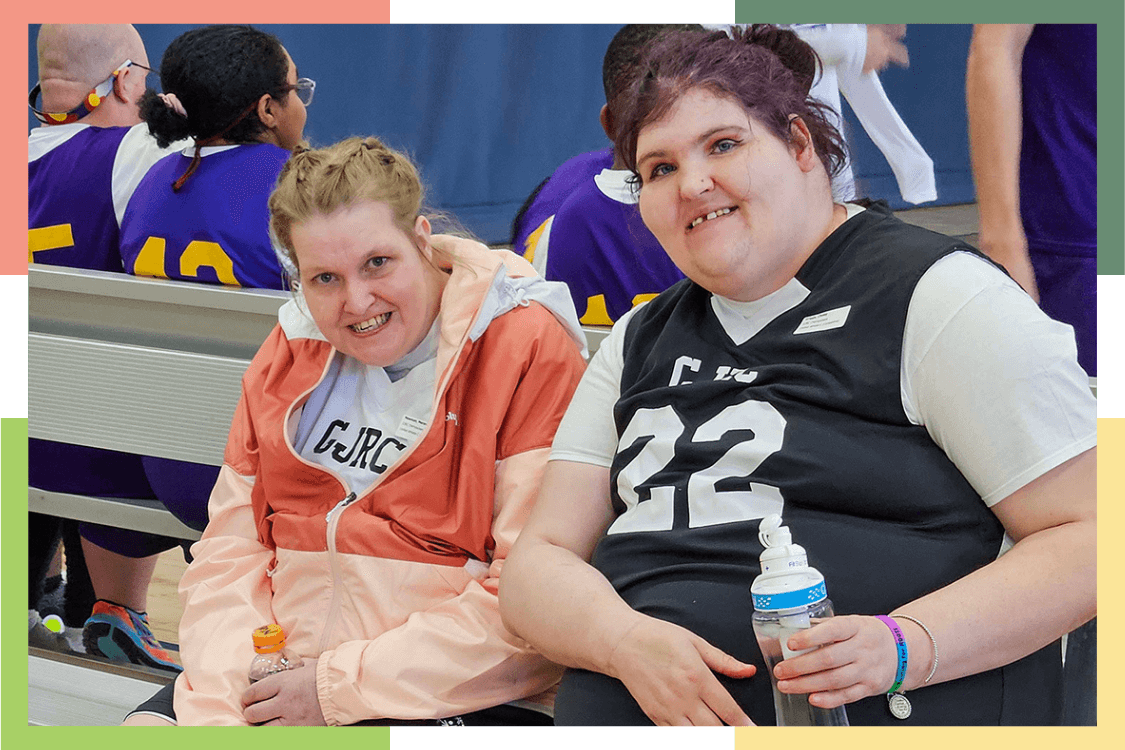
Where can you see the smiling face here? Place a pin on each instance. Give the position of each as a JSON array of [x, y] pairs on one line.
[[371, 291], [737, 209]]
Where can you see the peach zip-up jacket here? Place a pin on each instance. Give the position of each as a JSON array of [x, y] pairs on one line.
[[394, 590]]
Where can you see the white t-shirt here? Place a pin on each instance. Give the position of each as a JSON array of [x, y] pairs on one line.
[[361, 419]]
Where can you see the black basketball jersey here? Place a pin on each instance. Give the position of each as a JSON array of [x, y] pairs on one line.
[[805, 419]]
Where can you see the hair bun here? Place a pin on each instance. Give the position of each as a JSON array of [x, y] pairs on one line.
[[793, 52]]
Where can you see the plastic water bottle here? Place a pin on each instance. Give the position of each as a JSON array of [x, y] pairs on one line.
[[789, 596], [270, 656]]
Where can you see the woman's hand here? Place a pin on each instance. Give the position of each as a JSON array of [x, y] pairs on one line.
[[668, 671], [284, 699], [855, 657]]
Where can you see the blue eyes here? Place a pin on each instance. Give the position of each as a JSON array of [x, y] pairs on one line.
[[376, 262], [719, 147]]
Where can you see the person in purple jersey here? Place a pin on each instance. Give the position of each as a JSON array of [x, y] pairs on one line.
[[596, 241], [1032, 103], [1033, 131], [85, 156], [83, 164], [202, 215], [548, 195]]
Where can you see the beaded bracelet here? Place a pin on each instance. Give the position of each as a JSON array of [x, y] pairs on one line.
[[896, 701]]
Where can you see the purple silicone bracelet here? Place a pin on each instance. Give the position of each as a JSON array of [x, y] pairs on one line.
[[900, 643]]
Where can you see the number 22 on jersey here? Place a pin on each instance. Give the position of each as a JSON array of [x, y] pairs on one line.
[[659, 429]]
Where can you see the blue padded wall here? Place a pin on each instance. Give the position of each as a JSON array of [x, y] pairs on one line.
[[488, 111]]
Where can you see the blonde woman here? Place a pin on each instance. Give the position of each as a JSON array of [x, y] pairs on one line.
[[390, 440]]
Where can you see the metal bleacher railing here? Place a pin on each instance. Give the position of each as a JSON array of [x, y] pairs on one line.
[[141, 365], [147, 366]]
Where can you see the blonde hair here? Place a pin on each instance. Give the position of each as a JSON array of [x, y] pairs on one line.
[[317, 182]]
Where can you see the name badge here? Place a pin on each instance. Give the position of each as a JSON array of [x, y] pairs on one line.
[[824, 321], [411, 427]]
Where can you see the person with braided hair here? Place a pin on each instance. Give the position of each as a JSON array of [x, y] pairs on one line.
[[889, 391], [200, 215], [390, 439]]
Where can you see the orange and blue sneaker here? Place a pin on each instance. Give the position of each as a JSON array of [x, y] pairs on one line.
[[120, 634]]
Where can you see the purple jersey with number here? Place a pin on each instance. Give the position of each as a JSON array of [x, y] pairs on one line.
[[1058, 175], [70, 218], [216, 228]]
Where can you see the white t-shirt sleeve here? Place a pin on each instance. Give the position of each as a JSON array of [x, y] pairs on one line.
[[135, 156], [587, 433], [994, 381]]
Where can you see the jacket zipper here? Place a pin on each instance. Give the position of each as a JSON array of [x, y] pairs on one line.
[[332, 519]]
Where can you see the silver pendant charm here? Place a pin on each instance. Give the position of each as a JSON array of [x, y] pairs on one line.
[[899, 705]]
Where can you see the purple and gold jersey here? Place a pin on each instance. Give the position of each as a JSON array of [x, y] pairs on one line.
[[70, 215], [215, 229], [600, 247], [549, 196]]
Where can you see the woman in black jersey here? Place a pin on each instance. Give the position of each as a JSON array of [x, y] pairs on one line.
[[892, 393]]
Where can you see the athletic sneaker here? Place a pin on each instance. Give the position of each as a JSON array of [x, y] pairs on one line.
[[120, 634]]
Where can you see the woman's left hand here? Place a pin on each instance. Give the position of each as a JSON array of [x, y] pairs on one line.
[[855, 657], [284, 699]]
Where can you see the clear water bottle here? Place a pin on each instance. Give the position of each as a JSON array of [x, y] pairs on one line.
[[789, 596], [269, 653]]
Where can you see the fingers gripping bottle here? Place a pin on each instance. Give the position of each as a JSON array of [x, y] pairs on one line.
[[270, 656], [788, 596]]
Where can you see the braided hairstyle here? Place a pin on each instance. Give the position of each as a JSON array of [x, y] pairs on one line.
[[318, 182], [769, 70]]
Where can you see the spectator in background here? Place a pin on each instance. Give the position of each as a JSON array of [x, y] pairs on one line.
[[83, 164], [1033, 132], [851, 56], [201, 215], [589, 233]]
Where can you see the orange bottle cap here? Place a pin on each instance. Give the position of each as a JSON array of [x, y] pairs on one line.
[[268, 639]]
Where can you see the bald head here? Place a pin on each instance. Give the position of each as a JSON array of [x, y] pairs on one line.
[[73, 58]]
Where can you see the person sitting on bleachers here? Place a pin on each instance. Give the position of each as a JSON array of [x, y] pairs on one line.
[[83, 164], [385, 452], [201, 215]]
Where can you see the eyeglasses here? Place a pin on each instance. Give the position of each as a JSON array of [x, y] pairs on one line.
[[89, 103], [305, 88]]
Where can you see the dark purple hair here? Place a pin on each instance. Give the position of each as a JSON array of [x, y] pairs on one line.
[[769, 70]]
